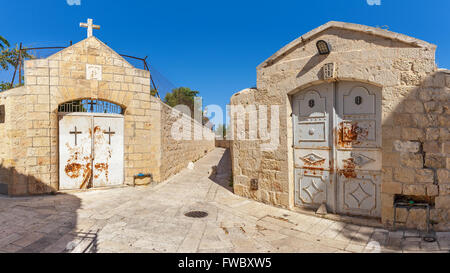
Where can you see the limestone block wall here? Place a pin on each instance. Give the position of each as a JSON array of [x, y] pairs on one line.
[[11, 133], [223, 143], [190, 145], [4, 152], [416, 155], [415, 115], [251, 161]]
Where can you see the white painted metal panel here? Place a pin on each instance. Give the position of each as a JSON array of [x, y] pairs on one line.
[[108, 151], [312, 159], [359, 193], [312, 113], [74, 152], [358, 150], [314, 187], [361, 159], [313, 146]]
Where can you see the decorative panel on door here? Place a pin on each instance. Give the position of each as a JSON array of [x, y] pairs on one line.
[[312, 188], [359, 194]]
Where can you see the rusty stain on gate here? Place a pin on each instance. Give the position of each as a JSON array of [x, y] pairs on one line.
[[74, 168], [314, 167], [349, 168], [99, 139], [350, 134]]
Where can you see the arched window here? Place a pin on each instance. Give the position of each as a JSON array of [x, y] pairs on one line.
[[90, 106]]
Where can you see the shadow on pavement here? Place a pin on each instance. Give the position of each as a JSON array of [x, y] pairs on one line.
[[223, 175], [40, 223]]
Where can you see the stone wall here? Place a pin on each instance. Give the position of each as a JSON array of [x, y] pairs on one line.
[[12, 132], [416, 154], [223, 143], [415, 115], [4, 151], [251, 161], [177, 153]]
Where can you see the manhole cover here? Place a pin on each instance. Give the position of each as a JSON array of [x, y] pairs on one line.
[[196, 214], [429, 239]]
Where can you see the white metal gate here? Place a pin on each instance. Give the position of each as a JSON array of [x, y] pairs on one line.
[[90, 150], [337, 147]]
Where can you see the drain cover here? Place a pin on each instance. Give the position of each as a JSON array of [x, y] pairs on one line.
[[196, 214], [429, 239]]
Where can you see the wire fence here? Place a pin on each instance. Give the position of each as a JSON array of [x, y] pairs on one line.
[[159, 84]]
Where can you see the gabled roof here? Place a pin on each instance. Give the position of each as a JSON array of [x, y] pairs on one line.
[[348, 26], [98, 41]]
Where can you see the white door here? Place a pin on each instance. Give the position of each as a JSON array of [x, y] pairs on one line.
[[313, 146], [75, 151], [108, 151], [337, 147], [358, 149], [90, 151]]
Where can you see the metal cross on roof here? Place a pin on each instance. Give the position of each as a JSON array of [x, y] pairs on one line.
[[90, 26]]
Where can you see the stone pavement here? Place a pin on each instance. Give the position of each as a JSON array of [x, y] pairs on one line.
[[151, 219]]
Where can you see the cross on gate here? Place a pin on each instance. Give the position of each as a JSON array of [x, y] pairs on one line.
[[90, 26], [75, 133], [109, 133], [92, 103]]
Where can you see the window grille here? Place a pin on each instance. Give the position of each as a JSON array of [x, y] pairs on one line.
[[90, 106]]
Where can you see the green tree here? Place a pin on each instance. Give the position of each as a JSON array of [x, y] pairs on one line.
[[222, 129], [181, 95], [3, 42], [153, 92], [7, 85], [185, 96], [9, 57]]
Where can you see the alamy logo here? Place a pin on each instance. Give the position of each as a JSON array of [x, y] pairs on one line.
[[374, 2], [73, 2]]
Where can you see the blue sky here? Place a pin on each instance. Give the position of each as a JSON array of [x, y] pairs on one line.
[[213, 46]]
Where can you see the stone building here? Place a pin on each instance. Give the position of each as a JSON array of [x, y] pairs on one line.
[[85, 118], [363, 123]]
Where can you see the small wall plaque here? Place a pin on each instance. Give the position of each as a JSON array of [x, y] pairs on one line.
[[93, 72], [254, 184]]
